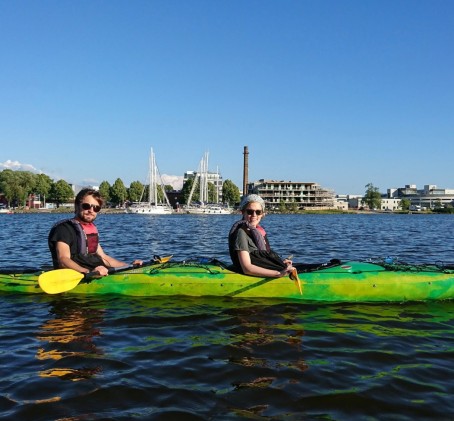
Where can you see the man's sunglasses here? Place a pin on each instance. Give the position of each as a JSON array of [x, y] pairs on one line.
[[87, 206], [251, 211]]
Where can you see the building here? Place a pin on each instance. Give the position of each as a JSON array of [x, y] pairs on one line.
[[429, 197], [213, 177], [305, 195], [390, 204]]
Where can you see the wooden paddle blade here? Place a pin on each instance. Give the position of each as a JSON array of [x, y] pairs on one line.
[[295, 277], [59, 280], [161, 259]]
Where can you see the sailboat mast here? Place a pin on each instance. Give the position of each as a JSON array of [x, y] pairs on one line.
[[204, 179], [153, 194]]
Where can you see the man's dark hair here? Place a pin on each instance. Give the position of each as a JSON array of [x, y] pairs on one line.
[[88, 192]]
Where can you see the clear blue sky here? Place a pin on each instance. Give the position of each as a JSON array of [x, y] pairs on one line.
[[339, 92]]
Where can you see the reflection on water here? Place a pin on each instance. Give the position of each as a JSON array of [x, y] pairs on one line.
[[222, 358], [70, 333]]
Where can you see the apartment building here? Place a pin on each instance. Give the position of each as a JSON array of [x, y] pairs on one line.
[[305, 195]]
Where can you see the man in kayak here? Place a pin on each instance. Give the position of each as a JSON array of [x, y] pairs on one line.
[[74, 243], [248, 244]]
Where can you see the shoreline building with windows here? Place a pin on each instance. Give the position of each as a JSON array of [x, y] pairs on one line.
[[304, 195], [214, 178], [429, 197]]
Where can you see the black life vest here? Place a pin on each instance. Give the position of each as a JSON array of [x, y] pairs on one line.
[[79, 251], [264, 256]]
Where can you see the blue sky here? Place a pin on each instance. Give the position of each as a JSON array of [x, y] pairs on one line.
[[338, 92]]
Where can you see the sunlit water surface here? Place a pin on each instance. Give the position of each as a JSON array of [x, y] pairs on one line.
[[120, 358]]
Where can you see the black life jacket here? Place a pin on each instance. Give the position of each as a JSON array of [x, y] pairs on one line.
[[264, 256], [81, 238], [79, 253]]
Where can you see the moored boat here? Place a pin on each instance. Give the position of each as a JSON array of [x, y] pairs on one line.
[[203, 207], [152, 207], [350, 281]]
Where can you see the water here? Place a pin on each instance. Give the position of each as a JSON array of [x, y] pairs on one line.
[[120, 358]]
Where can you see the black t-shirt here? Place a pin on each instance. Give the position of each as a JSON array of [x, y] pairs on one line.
[[66, 233], [268, 259]]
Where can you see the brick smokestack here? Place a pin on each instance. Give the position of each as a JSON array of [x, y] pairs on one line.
[[245, 170]]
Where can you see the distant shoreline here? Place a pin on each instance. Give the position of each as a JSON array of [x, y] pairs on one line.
[[110, 211]]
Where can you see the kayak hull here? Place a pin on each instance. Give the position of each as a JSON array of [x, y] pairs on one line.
[[349, 282]]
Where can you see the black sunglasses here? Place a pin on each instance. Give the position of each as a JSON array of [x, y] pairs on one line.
[[251, 211], [86, 206]]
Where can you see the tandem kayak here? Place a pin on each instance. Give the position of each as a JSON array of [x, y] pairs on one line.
[[351, 281]]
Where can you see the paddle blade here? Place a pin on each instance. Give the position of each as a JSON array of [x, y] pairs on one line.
[[59, 280], [161, 259], [295, 277]]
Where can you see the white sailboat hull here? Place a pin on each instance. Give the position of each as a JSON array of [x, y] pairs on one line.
[[147, 209], [208, 210]]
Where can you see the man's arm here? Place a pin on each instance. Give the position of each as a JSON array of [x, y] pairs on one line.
[[64, 258]]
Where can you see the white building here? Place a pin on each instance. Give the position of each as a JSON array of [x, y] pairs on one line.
[[429, 197], [213, 178]]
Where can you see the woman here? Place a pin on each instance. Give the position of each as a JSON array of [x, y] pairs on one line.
[[248, 244]]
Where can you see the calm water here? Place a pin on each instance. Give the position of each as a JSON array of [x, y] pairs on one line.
[[75, 358]]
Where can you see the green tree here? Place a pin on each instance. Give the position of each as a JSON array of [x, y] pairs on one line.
[[26, 185], [212, 193], [438, 205], [104, 191], [186, 190], [7, 185], [160, 194], [135, 191], [118, 192], [292, 207], [43, 185], [230, 193], [17, 185], [405, 204], [61, 192], [372, 197]]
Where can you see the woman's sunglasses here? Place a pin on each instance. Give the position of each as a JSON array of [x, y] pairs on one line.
[[87, 206], [251, 211]]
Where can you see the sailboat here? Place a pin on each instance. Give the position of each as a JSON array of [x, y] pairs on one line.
[[152, 207], [204, 208]]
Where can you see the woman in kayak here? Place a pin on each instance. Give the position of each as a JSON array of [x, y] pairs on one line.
[[248, 244], [74, 243]]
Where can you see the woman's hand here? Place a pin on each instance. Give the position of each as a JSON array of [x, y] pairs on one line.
[[102, 270], [288, 261], [286, 271]]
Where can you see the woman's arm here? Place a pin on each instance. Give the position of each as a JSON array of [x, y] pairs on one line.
[[254, 270]]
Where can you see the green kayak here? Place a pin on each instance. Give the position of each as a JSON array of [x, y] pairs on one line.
[[350, 281]]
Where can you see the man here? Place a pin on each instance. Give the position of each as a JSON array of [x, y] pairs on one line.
[[74, 243]]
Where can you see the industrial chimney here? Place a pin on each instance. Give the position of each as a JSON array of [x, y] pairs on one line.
[[245, 170]]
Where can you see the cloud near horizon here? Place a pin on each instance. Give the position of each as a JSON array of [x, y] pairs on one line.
[[176, 181], [18, 166]]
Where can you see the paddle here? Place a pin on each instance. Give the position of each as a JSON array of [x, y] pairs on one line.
[[294, 277], [63, 280]]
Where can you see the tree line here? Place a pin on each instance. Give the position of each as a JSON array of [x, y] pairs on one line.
[[18, 186]]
